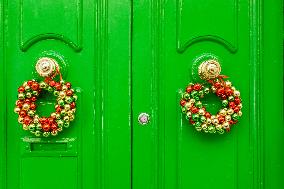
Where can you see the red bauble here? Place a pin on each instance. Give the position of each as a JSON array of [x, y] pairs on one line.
[[220, 91], [19, 104], [232, 105], [27, 120], [182, 102], [229, 91], [237, 100], [188, 89], [207, 115], [33, 99], [22, 113], [32, 106], [217, 85], [53, 127], [35, 86], [221, 119], [68, 85], [52, 83], [194, 109], [30, 82], [21, 89], [58, 86], [69, 92], [197, 87], [46, 127], [73, 105]]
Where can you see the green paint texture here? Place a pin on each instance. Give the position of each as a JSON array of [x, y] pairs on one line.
[[128, 57]]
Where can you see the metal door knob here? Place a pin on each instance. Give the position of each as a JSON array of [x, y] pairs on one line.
[[209, 69], [46, 67], [143, 118]]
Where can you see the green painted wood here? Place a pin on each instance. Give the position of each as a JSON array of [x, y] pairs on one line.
[[169, 153], [2, 102], [125, 58], [89, 154]]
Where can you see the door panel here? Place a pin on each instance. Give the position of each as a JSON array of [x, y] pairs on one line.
[[96, 147], [168, 152]]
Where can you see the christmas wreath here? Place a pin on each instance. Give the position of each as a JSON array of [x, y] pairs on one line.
[[203, 120], [65, 107]]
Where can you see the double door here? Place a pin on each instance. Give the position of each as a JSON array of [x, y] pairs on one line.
[[125, 58]]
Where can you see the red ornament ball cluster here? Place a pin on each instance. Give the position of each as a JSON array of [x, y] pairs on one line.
[[65, 107], [203, 120]]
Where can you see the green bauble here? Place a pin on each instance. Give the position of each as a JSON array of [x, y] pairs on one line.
[[211, 129], [69, 99], [235, 116], [38, 126], [220, 131], [231, 98], [195, 117], [37, 133], [194, 94], [35, 93], [28, 94], [60, 123], [66, 124], [201, 93], [197, 124], [186, 96], [50, 89], [225, 103], [198, 104], [42, 85], [56, 93], [184, 110], [206, 90], [75, 97], [32, 127], [203, 119], [46, 134], [61, 102], [198, 128]]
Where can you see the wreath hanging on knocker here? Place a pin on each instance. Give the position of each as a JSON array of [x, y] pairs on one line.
[[196, 113], [30, 91]]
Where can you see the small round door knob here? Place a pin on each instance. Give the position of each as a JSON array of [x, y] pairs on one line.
[[46, 67], [209, 69], [143, 118]]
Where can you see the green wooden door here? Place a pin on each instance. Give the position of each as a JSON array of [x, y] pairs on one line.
[[129, 57], [247, 37], [95, 152]]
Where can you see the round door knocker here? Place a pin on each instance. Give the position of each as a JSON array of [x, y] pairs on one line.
[[31, 90], [197, 114]]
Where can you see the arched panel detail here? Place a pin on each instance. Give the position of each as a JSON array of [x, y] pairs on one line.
[[198, 21], [39, 21]]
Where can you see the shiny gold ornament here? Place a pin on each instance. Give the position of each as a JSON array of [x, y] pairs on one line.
[[237, 93], [215, 121], [17, 110], [67, 107], [62, 94], [66, 118], [228, 118], [26, 106], [223, 112], [230, 111], [240, 113], [226, 125], [209, 69], [208, 121], [25, 127], [228, 83], [201, 112]]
